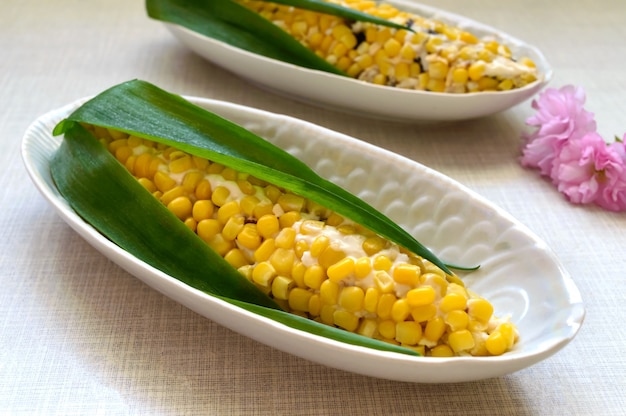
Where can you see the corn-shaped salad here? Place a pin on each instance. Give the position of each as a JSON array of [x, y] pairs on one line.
[[431, 56], [312, 261]]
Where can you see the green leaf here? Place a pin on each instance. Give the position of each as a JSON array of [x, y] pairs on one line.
[[144, 110], [237, 26], [105, 195], [338, 10]]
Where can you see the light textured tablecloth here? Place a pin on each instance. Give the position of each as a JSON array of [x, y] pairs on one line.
[[80, 336]]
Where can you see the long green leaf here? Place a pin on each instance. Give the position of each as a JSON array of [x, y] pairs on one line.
[[238, 26], [103, 193], [338, 10], [144, 110]]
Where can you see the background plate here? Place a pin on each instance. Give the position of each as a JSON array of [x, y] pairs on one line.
[[519, 274], [366, 99]]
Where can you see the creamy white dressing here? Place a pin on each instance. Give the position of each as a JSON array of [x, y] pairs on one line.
[[505, 68]]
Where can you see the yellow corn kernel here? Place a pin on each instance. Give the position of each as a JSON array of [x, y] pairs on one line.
[[367, 328], [433, 43], [508, 331], [435, 328], [181, 207], [263, 274], [346, 320], [311, 227], [200, 163], [362, 267], [245, 187], [191, 223], [123, 153], [163, 182], [291, 202], [380, 79], [457, 320], [402, 71], [299, 299], [329, 292], [220, 245], [220, 195], [385, 304], [181, 164], [273, 193], [248, 237], [315, 305], [400, 310], [286, 238], [314, 276], [392, 47], [143, 166], [524, 60], [452, 301], [480, 309], [383, 281], [232, 228], [288, 219], [387, 329], [191, 181], [505, 85], [215, 168], [203, 190], [229, 174], [407, 274], [268, 226], [436, 85], [372, 245], [468, 37], [228, 210], [236, 258], [423, 313], [148, 184], [265, 250], [282, 259], [300, 248], [209, 228], [172, 194], [319, 244], [297, 273], [351, 298], [370, 301], [487, 83], [382, 36], [476, 70], [438, 70], [408, 332], [441, 350], [341, 269], [281, 286], [460, 75], [330, 256], [461, 340], [407, 52], [496, 343], [382, 262], [423, 295]]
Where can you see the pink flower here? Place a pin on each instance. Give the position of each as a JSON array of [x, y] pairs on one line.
[[560, 117], [587, 170]]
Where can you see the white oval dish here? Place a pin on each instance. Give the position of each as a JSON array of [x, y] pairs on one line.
[[457, 224], [367, 99]]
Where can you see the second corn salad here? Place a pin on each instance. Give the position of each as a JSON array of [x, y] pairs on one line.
[[312, 261], [432, 57]]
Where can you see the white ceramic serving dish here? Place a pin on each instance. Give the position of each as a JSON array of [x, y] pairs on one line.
[[453, 221], [366, 99]]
